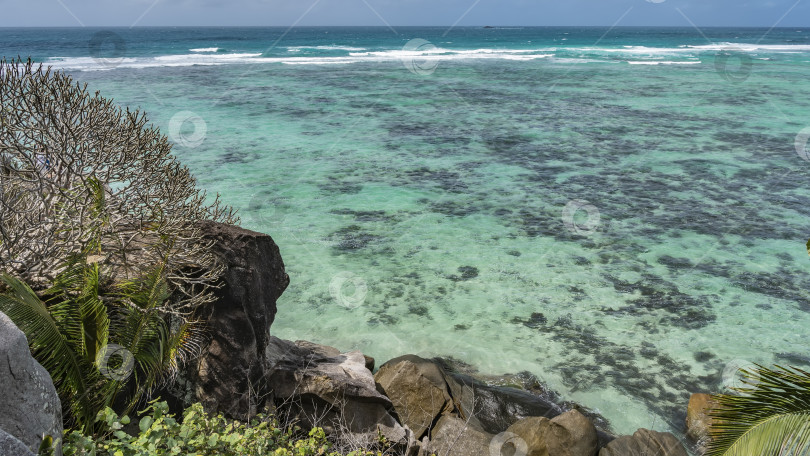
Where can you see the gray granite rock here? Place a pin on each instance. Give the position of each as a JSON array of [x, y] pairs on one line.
[[29, 405]]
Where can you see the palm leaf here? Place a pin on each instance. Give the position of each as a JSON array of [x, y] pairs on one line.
[[769, 417], [71, 373]]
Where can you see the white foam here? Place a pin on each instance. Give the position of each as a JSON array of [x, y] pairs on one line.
[[660, 62], [637, 55], [747, 47], [326, 48]]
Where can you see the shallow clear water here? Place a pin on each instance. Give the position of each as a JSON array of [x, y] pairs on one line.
[[626, 232]]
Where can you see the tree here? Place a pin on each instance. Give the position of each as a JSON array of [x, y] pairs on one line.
[[61, 148]]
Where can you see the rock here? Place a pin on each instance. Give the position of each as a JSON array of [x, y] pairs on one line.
[[10, 446], [29, 405], [417, 389], [698, 420], [369, 363], [334, 390], [645, 443], [229, 376], [495, 402], [569, 434], [495, 408], [455, 436]]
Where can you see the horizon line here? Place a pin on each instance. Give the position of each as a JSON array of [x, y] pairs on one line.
[[384, 27]]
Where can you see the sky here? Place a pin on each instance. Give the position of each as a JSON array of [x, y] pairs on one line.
[[51, 13]]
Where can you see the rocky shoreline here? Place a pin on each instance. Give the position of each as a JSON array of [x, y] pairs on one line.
[[420, 406], [439, 405]]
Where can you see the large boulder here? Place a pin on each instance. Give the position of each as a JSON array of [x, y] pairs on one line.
[[568, 434], [321, 386], [645, 443], [29, 405], [698, 420], [493, 403], [417, 389], [495, 408], [229, 376], [455, 436]]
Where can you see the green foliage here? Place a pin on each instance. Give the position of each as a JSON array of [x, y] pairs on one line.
[[198, 434], [769, 417], [102, 347]]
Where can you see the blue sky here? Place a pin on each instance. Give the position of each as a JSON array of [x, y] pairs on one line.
[[789, 13]]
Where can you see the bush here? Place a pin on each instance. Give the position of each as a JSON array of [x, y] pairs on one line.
[[198, 434], [102, 349]]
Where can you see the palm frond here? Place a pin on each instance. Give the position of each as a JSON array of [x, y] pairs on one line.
[[769, 417], [71, 373]]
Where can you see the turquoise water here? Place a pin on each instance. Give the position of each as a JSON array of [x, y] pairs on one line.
[[620, 212]]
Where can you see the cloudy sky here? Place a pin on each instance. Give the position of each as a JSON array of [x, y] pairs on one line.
[[790, 13]]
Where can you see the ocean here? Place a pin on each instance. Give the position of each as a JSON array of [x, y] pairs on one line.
[[621, 212]]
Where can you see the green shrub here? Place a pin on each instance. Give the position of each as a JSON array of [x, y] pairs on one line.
[[199, 434], [101, 347]]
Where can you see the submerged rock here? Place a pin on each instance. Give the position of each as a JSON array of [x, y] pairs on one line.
[[29, 406]]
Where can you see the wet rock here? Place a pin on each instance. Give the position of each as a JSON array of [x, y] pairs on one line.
[[698, 420], [569, 434], [645, 443], [29, 405], [495, 408]]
